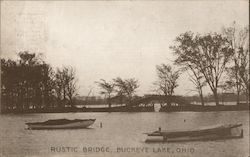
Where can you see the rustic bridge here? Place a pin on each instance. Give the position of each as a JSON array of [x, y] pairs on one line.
[[161, 99]]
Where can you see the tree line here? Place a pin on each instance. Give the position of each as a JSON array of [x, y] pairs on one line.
[[118, 90], [210, 57], [216, 60], [29, 83]]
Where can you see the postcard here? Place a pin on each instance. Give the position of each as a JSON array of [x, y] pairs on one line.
[[139, 78]]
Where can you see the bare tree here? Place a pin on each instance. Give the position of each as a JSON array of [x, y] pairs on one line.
[[59, 87], [208, 53], [195, 76], [198, 80], [71, 87], [65, 85], [238, 73], [167, 79], [106, 89]]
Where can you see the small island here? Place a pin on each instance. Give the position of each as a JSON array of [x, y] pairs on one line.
[[215, 61]]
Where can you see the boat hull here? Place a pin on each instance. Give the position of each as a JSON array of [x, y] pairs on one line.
[[72, 125], [195, 138], [229, 132]]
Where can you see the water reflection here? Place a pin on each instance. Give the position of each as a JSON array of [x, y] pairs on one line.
[[119, 129]]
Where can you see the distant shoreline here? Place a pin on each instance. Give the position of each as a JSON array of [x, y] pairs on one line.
[[199, 108], [188, 108]]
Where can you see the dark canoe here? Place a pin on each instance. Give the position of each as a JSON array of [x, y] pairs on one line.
[[61, 124]]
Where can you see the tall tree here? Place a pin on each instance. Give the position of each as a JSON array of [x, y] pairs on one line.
[[30, 83], [29, 74], [208, 53], [47, 85], [71, 86], [238, 72], [167, 79], [195, 76], [106, 89], [198, 80], [65, 86], [9, 82], [59, 85], [25, 82]]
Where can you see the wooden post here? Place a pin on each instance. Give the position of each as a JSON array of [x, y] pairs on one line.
[[241, 134], [164, 138], [1, 105]]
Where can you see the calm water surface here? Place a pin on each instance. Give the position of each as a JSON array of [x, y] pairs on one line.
[[120, 130]]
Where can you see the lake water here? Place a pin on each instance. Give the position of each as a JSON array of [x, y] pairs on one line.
[[120, 131]]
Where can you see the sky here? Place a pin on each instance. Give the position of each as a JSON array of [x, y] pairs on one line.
[[109, 39]]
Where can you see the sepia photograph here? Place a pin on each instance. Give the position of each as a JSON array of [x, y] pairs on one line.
[[124, 78]]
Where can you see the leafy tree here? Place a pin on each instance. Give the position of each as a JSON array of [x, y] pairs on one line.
[[30, 83], [47, 85], [26, 83], [208, 53], [126, 87], [29, 80], [9, 84], [195, 76]]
